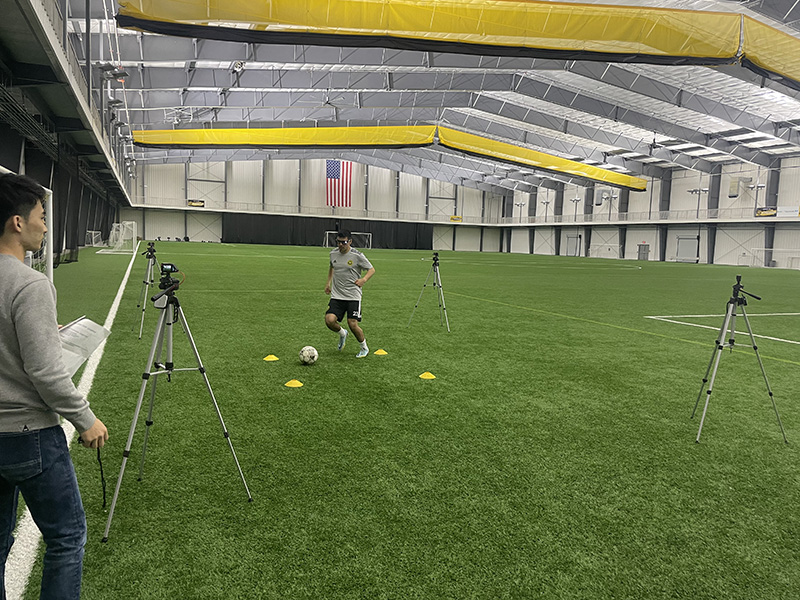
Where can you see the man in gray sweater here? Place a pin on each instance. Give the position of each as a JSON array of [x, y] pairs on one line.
[[35, 389]]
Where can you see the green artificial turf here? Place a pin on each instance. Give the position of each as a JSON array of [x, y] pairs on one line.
[[552, 457]]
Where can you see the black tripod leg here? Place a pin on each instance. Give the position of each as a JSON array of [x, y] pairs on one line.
[[127, 451], [717, 348], [764, 373], [202, 369], [420, 295], [149, 420], [718, 355]]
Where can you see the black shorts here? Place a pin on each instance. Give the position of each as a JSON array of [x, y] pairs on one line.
[[340, 307]]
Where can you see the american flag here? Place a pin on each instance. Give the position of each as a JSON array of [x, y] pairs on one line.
[[338, 176]]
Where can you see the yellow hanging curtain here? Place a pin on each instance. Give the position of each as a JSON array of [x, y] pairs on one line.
[[590, 28], [380, 137], [474, 144]]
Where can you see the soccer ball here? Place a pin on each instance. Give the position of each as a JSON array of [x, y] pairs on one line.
[[308, 355]]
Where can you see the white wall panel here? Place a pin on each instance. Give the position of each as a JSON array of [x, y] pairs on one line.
[[382, 190], [682, 182], [673, 233], [491, 239], [470, 203], [443, 237], [646, 201], [787, 246], [734, 244], [468, 238], [244, 184], [412, 195], [544, 241], [520, 240], [211, 193], [164, 185], [746, 200], [789, 185], [545, 205], [204, 226], [313, 184], [494, 207], [604, 242], [281, 186], [165, 224], [641, 235]]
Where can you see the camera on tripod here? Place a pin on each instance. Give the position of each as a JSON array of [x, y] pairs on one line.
[[167, 281], [436, 258]]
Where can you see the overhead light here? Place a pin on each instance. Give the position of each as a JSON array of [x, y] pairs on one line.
[[238, 66], [105, 66], [114, 102], [119, 73]]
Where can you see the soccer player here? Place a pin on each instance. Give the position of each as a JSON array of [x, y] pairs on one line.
[[35, 388], [344, 286]]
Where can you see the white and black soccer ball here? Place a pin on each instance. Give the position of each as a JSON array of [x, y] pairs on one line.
[[308, 355]]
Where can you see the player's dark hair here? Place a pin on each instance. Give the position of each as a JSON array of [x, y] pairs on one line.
[[344, 233], [18, 196]]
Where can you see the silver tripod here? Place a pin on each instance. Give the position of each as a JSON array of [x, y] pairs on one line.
[[729, 324], [171, 312], [148, 281], [437, 284]]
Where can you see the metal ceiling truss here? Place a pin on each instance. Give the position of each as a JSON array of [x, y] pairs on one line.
[[619, 117]]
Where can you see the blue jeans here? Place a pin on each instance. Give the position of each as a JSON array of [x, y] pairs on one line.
[[38, 464]]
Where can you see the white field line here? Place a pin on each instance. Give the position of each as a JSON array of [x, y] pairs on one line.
[[26, 545], [672, 319]]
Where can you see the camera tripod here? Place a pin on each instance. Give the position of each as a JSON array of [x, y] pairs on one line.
[[148, 280], [437, 284], [171, 312], [729, 324]]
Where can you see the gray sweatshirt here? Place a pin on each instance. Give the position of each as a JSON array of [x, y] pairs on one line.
[[34, 384]]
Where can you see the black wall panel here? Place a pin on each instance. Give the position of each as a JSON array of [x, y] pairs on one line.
[[309, 231], [10, 147]]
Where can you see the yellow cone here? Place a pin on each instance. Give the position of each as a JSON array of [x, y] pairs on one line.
[[293, 383], [270, 358], [381, 352], [427, 375]]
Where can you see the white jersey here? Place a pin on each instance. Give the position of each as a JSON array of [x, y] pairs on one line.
[[346, 269]]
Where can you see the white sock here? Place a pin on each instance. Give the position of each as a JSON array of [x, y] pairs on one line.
[[364, 344], [342, 332]]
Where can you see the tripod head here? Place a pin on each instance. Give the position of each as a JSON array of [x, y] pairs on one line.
[[150, 253], [738, 288], [435, 259]]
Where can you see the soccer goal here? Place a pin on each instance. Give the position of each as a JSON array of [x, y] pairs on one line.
[[360, 239], [122, 239], [781, 258], [94, 238]]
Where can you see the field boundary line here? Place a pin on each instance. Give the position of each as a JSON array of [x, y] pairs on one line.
[[671, 319], [604, 324]]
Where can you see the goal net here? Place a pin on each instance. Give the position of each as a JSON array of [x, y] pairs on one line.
[[122, 239], [360, 239], [93, 238], [781, 258]]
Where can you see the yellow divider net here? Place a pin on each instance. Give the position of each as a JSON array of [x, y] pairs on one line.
[[381, 137]]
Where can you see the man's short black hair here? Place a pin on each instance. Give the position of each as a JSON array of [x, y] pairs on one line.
[[344, 233], [18, 196]]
